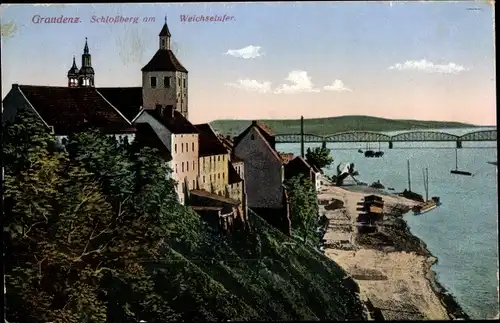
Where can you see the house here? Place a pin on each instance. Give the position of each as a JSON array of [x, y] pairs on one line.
[[238, 165], [180, 137], [299, 165], [65, 110], [263, 175], [213, 160]]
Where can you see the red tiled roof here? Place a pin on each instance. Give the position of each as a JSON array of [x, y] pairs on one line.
[[69, 109], [175, 122], [164, 61], [209, 143], [126, 99], [146, 136], [233, 175], [286, 157], [265, 128]]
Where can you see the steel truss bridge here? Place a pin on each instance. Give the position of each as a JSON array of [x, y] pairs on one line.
[[368, 136]]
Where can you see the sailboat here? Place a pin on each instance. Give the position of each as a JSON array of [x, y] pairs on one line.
[[456, 171], [428, 204]]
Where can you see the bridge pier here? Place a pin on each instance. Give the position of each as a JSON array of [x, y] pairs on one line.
[[390, 144], [459, 143]]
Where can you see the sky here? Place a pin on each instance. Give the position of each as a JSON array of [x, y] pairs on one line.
[[401, 60]]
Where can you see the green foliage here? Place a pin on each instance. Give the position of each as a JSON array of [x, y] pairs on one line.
[[303, 206], [319, 156], [328, 126], [94, 233]]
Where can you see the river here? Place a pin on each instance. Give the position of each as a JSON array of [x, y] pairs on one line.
[[463, 232]]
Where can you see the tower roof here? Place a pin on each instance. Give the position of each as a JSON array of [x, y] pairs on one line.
[[164, 31], [164, 61], [73, 71]]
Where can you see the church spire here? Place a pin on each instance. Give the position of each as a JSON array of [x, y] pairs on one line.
[[86, 48], [165, 36]]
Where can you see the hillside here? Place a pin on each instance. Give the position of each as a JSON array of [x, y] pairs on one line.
[[261, 275], [326, 126]]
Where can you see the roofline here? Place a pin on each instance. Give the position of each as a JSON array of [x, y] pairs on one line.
[[274, 152], [102, 96], [138, 115], [31, 105]]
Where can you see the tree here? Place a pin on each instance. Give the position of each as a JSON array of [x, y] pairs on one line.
[[303, 206], [319, 157]]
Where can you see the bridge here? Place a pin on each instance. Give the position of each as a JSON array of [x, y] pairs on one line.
[[410, 136]]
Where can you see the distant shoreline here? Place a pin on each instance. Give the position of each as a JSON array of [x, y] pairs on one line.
[[332, 125]]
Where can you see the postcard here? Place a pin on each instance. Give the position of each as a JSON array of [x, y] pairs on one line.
[[249, 161]]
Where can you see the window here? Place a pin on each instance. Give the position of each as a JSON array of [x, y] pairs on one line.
[[175, 148], [210, 177], [223, 175], [218, 176], [153, 82], [187, 166], [194, 184], [193, 165], [176, 168], [182, 148], [183, 166], [218, 158], [166, 81], [252, 137], [192, 146], [203, 179], [184, 81], [179, 82], [187, 145]]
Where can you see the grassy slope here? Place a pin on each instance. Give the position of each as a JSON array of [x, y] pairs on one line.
[[326, 126], [258, 276]]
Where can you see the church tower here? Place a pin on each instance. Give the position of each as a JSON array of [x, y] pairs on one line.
[[164, 79], [73, 75], [86, 74]]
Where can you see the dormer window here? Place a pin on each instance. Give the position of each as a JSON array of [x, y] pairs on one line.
[[153, 82]]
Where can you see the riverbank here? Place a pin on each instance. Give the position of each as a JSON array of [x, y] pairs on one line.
[[392, 267]]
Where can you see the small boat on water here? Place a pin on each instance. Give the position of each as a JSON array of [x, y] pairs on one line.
[[456, 171], [427, 205]]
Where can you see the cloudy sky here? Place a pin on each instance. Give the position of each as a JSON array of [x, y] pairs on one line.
[[417, 60]]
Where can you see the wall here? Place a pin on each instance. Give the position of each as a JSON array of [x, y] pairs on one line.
[[235, 191], [185, 161], [213, 173], [239, 167], [263, 172], [175, 95], [184, 150]]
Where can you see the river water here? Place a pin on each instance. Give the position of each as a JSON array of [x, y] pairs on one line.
[[463, 232]]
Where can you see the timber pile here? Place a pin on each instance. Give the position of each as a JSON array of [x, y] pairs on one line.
[[371, 213]]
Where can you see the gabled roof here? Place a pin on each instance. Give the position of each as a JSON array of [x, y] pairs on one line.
[[233, 175], [264, 130], [262, 134], [175, 122], [146, 136], [164, 61], [70, 109], [297, 165], [209, 143], [126, 99]]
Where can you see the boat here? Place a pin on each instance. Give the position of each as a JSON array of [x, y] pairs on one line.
[[360, 151], [456, 171], [427, 205]]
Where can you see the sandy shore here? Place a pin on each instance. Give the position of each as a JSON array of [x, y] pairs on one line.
[[396, 278]]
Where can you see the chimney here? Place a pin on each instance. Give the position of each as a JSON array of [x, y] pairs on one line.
[[15, 86], [254, 123]]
